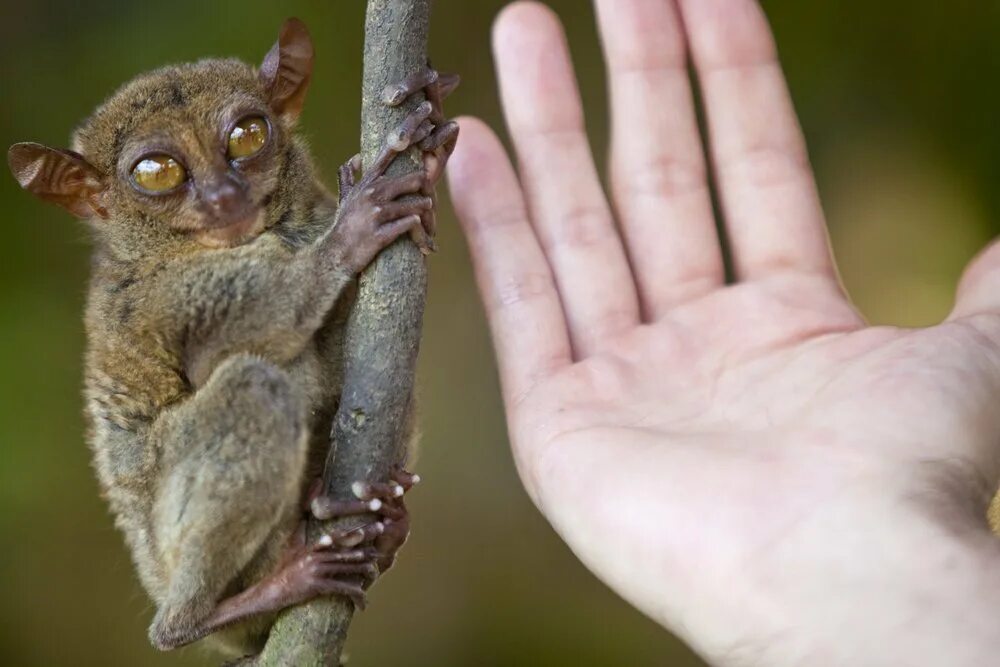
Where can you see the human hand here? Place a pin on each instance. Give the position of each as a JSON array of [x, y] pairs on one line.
[[749, 463]]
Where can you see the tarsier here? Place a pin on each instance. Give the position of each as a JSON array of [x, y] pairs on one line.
[[221, 275]]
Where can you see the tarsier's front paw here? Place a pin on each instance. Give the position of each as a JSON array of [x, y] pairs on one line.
[[375, 211]]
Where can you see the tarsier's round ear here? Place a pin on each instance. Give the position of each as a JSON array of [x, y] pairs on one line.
[[59, 176], [287, 68]]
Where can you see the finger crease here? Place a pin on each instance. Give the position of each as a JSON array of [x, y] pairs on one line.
[[767, 166], [663, 177], [581, 227], [522, 289]]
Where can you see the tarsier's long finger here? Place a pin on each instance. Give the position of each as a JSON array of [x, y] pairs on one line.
[[367, 571], [437, 92], [401, 208], [336, 587], [398, 141], [362, 555], [434, 83], [324, 508], [397, 93], [429, 221], [395, 511], [424, 241], [447, 83], [444, 136], [347, 176], [405, 479], [389, 543], [388, 188], [353, 537], [438, 148], [369, 490], [412, 225], [402, 137], [425, 130]]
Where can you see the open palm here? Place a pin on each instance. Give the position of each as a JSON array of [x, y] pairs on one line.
[[748, 463]]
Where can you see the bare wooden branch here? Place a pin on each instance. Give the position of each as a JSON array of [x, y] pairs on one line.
[[382, 338]]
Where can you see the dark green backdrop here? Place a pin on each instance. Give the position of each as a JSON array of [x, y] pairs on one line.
[[899, 99]]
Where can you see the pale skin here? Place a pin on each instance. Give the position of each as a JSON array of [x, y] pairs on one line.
[[750, 464]]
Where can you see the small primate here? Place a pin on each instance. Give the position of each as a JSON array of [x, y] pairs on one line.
[[221, 277]]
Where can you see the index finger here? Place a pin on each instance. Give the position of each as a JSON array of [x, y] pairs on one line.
[[514, 278]]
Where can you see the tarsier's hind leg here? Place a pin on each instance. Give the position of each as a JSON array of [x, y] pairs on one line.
[[239, 448], [235, 454]]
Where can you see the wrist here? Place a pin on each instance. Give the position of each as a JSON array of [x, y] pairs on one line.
[[890, 586], [933, 604]]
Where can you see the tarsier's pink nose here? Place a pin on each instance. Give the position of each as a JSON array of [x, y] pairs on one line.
[[224, 199]]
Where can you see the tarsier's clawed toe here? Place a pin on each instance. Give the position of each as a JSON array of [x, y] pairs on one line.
[[370, 498], [383, 537], [320, 571]]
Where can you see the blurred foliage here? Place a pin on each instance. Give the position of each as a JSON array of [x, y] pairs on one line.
[[899, 102]]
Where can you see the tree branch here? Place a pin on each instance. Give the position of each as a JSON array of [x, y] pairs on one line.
[[372, 424]]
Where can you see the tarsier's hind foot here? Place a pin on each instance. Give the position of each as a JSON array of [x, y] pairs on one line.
[[382, 499], [305, 572], [342, 562]]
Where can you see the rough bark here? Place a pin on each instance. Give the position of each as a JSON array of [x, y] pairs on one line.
[[382, 338]]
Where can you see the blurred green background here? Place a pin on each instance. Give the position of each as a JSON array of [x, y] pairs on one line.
[[900, 103]]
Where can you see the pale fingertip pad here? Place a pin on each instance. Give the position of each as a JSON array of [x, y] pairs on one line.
[[398, 141], [375, 505], [316, 507], [393, 95], [325, 541], [415, 480], [360, 490], [397, 490]]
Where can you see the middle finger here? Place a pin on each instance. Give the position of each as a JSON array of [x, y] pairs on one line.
[[568, 207], [658, 166]]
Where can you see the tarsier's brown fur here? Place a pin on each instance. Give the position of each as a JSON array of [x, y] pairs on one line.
[[214, 345]]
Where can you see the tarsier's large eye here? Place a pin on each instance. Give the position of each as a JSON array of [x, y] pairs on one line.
[[159, 173], [248, 137]]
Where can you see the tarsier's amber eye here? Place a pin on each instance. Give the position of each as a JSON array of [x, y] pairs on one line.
[[248, 137], [158, 173]]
